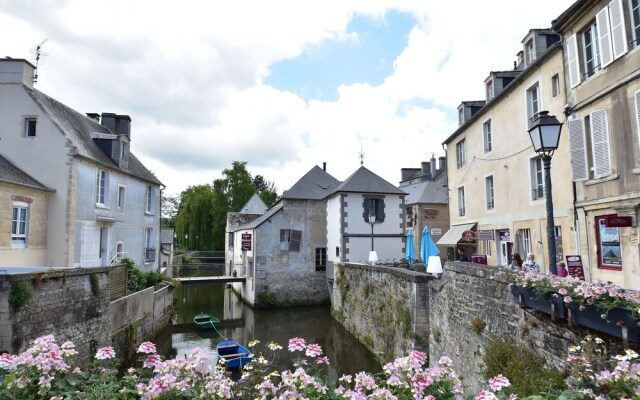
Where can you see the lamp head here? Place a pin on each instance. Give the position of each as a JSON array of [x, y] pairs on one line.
[[434, 266], [545, 133], [372, 218]]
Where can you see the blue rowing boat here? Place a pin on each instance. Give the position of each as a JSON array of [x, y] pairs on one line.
[[233, 354]]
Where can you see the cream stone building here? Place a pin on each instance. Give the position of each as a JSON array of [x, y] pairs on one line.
[[601, 42], [495, 178]]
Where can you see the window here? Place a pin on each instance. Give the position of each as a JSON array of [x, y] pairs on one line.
[[461, 205], [488, 137], [410, 217], [533, 102], [487, 247], [555, 85], [461, 153], [30, 124], [337, 251], [373, 205], [19, 224], [120, 251], [150, 250], [490, 92], [290, 239], [634, 12], [590, 50], [102, 185], [121, 197], [526, 240], [537, 178], [125, 151], [590, 133], [530, 52], [608, 241], [321, 259], [488, 184], [460, 116], [230, 236], [149, 208]]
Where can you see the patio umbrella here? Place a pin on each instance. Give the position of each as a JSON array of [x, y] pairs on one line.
[[518, 248], [410, 248], [427, 246]]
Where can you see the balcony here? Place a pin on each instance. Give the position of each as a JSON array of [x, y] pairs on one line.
[[150, 254]]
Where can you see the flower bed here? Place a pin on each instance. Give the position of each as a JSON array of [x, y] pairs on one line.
[[45, 371]]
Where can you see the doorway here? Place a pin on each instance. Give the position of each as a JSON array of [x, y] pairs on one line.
[[104, 243]]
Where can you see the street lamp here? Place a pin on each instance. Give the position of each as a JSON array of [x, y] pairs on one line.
[[373, 256], [545, 136]]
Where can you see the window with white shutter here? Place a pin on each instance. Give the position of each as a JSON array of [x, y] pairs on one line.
[[578, 150], [618, 30], [637, 98], [604, 37], [600, 143], [572, 60]]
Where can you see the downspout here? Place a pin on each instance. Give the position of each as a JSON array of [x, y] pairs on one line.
[[446, 172]]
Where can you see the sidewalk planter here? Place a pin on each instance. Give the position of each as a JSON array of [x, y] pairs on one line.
[[529, 297], [590, 316]]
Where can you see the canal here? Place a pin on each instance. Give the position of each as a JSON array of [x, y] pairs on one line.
[[244, 324]]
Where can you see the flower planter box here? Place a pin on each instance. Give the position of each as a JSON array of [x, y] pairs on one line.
[[530, 298], [591, 317]]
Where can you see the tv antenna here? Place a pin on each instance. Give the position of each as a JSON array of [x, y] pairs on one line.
[[38, 55], [361, 155]]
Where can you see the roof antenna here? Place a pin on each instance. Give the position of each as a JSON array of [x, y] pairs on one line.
[[361, 155], [38, 54]]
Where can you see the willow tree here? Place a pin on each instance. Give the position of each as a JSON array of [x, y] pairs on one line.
[[194, 219]]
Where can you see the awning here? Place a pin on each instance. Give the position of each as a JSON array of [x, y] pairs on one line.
[[454, 234]]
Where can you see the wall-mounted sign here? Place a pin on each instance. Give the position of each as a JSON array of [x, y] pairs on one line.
[[436, 231], [469, 236], [574, 267], [245, 242], [617, 221], [486, 235], [479, 260], [505, 236]]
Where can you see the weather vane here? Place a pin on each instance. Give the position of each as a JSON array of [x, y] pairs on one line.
[[361, 155]]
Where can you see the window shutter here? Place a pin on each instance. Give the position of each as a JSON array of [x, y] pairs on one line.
[[600, 139], [637, 95], [604, 37], [380, 210], [572, 60], [578, 150], [366, 206], [618, 30], [296, 236]]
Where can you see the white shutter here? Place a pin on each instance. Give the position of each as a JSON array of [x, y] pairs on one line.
[[637, 97], [600, 143], [578, 150], [604, 37], [618, 31], [572, 60]]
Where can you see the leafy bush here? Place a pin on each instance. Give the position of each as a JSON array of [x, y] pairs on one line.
[[526, 371], [20, 293], [138, 280]]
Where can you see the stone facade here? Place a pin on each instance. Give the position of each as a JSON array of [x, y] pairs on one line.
[[386, 308], [69, 304]]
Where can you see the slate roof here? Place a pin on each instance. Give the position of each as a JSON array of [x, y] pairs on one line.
[[78, 128], [433, 192], [254, 205], [10, 173], [365, 181], [236, 220], [259, 221], [314, 185]]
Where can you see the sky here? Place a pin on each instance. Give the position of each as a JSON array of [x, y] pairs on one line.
[[282, 85]]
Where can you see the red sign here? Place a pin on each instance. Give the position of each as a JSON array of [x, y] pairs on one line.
[[469, 236], [574, 267], [479, 260], [245, 242], [616, 221]]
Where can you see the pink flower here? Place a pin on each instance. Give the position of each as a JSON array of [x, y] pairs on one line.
[[147, 348], [562, 291], [105, 353], [313, 350], [486, 395], [6, 360], [567, 299], [296, 344], [322, 360], [152, 361], [499, 382]]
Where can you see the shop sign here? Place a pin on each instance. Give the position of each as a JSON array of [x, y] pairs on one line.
[[245, 242], [617, 221], [575, 267], [436, 231], [505, 236], [486, 235], [479, 260], [469, 236]]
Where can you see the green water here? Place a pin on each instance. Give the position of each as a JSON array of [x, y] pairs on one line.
[[243, 324]]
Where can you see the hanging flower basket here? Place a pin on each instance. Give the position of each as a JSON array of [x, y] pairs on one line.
[[608, 322], [530, 298]]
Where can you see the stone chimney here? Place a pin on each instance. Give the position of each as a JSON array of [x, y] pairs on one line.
[[442, 162], [426, 168], [432, 162], [109, 121], [123, 125], [16, 70]]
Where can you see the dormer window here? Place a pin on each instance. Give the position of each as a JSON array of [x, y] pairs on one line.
[[530, 52], [490, 91]]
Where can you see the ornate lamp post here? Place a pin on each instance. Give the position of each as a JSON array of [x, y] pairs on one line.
[[373, 256], [545, 136]]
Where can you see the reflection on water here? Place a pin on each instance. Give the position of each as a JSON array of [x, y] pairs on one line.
[[241, 323]]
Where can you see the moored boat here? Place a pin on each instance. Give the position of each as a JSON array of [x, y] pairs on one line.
[[233, 354], [206, 321]]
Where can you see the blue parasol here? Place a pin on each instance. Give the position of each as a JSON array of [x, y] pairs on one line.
[[410, 248], [427, 246]]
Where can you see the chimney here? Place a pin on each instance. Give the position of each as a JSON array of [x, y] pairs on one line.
[[324, 166], [432, 163], [123, 125], [426, 168], [109, 121], [16, 70], [443, 162], [94, 116]]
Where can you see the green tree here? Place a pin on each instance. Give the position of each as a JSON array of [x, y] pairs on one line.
[[170, 206], [266, 190], [194, 220]]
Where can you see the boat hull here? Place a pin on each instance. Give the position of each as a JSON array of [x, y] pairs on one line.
[[233, 354]]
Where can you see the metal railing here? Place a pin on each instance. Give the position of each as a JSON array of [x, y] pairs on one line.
[[537, 192], [150, 254]]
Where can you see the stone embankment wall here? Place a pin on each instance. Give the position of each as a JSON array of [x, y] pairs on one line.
[[386, 308], [455, 316], [139, 317], [70, 304]]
